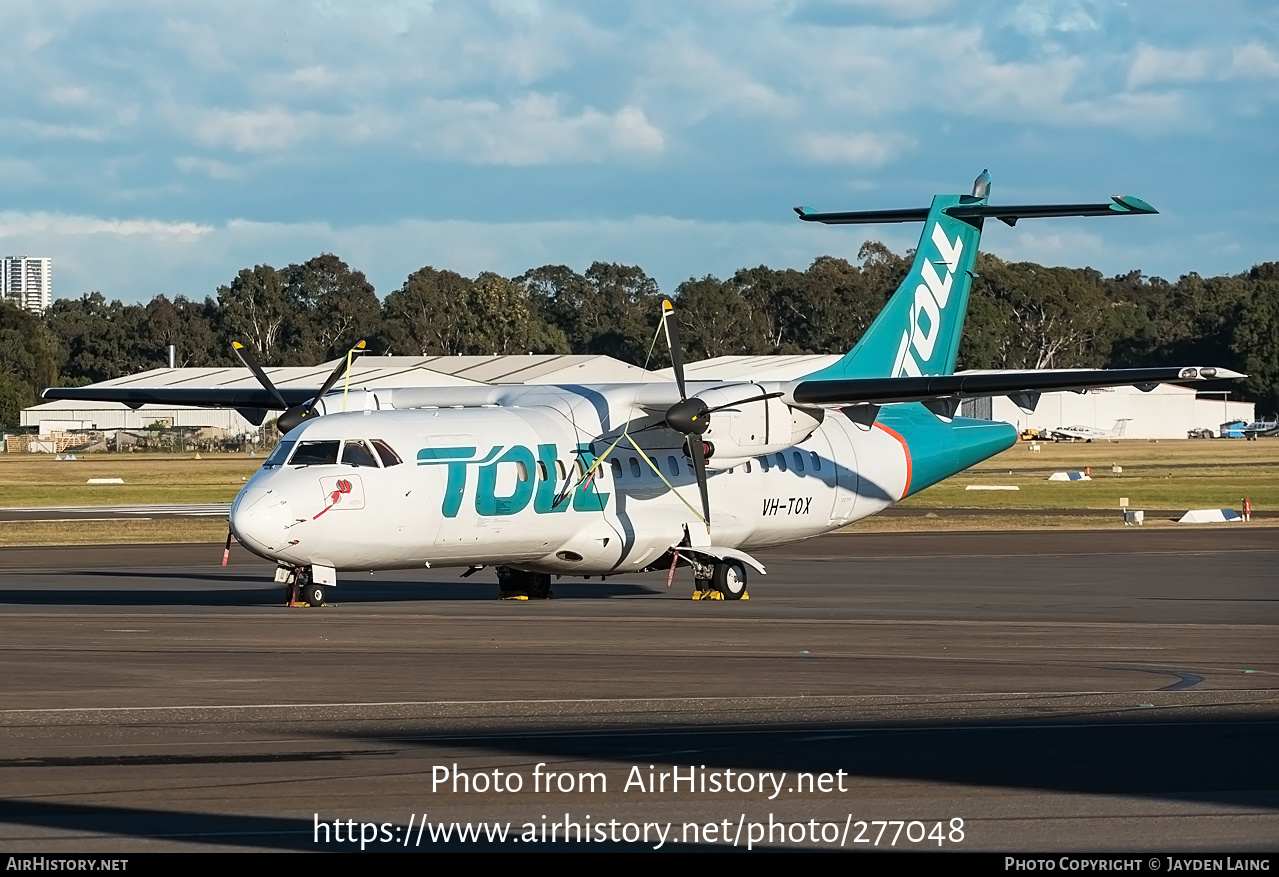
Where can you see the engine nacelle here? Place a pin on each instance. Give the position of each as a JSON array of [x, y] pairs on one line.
[[356, 400], [748, 426]]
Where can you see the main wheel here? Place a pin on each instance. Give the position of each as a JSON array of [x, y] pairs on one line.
[[315, 595], [538, 586], [730, 579]]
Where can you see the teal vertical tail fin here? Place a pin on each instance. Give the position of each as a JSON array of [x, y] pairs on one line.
[[918, 331]]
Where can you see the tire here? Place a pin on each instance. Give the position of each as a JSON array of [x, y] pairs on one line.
[[314, 595], [730, 579], [538, 586]]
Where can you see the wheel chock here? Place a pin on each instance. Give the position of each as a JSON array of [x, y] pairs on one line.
[[512, 595], [710, 594]]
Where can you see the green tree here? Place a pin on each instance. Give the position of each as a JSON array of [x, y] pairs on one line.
[[1256, 336], [333, 307], [717, 320], [98, 339], [256, 310], [28, 361], [428, 315]]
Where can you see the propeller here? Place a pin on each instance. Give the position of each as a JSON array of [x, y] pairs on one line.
[[293, 416], [690, 417]]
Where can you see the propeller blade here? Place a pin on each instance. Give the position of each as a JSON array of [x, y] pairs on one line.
[[672, 342], [762, 397], [698, 454], [336, 374], [251, 363], [291, 418]]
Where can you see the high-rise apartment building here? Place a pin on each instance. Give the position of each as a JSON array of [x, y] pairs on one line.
[[28, 282]]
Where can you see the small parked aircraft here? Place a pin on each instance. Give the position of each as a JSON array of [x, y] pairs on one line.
[[608, 479], [1088, 433]]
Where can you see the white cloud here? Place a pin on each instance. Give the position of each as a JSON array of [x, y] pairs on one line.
[[264, 130], [32, 226], [860, 150], [533, 130], [1041, 17], [214, 170], [1152, 65], [1254, 61]]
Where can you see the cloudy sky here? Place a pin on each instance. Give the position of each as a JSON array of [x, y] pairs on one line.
[[159, 147]]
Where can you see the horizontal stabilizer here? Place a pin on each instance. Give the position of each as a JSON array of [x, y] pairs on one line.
[[1119, 205]]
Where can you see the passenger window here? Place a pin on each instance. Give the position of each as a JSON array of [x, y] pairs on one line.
[[542, 474], [781, 461], [356, 453], [521, 470], [315, 454], [799, 461], [559, 467], [388, 456], [817, 461], [763, 462], [635, 469], [279, 455], [673, 466], [616, 465], [748, 467]]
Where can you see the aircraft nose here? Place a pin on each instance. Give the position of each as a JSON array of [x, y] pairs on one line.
[[259, 519]]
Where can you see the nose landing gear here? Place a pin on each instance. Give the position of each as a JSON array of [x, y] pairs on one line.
[[300, 586]]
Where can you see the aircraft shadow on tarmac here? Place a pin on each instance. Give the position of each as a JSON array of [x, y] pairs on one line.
[[1217, 762], [1214, 760], [229, 590]]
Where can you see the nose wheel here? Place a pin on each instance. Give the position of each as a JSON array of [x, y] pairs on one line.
[[302, 588]]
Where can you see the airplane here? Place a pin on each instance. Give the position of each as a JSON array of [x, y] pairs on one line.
[[1088, 433], [607, 479]]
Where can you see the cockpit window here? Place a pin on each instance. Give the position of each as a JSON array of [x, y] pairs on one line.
[[315, 454], [357, 453], [389, 457], [279, 455]]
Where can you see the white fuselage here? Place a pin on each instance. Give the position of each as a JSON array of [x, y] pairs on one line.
[[504, 485]]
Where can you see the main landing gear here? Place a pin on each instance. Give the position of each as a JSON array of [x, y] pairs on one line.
[[723, 580], [517, 584]]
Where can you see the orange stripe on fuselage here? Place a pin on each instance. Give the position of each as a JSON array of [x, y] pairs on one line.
[[905, 450]]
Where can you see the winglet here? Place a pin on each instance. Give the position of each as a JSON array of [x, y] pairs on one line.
[[1130, 204], [804, 211]]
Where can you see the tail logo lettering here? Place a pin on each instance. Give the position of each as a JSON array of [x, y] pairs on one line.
[[926, 310]]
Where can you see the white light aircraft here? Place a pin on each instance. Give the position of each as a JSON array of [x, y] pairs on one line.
[[609, 479], [1088, 433]]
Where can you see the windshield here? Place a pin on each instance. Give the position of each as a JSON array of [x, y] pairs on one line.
[[279, 455], [315, 454], [356, 453]]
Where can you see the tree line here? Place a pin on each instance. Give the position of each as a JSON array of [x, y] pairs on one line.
[[1021, 315]]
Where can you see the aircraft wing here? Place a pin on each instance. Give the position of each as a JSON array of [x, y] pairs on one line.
[[201, 397], [1025, 384]]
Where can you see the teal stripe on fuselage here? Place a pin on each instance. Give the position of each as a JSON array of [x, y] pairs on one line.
[[939, 449]]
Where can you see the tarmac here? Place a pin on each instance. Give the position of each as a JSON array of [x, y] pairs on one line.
[[1090, 691]]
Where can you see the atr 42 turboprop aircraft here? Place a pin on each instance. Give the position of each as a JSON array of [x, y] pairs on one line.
[[607, 479]]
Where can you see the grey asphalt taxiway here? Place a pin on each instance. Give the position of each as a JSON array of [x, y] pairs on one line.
[[1089, 690]]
